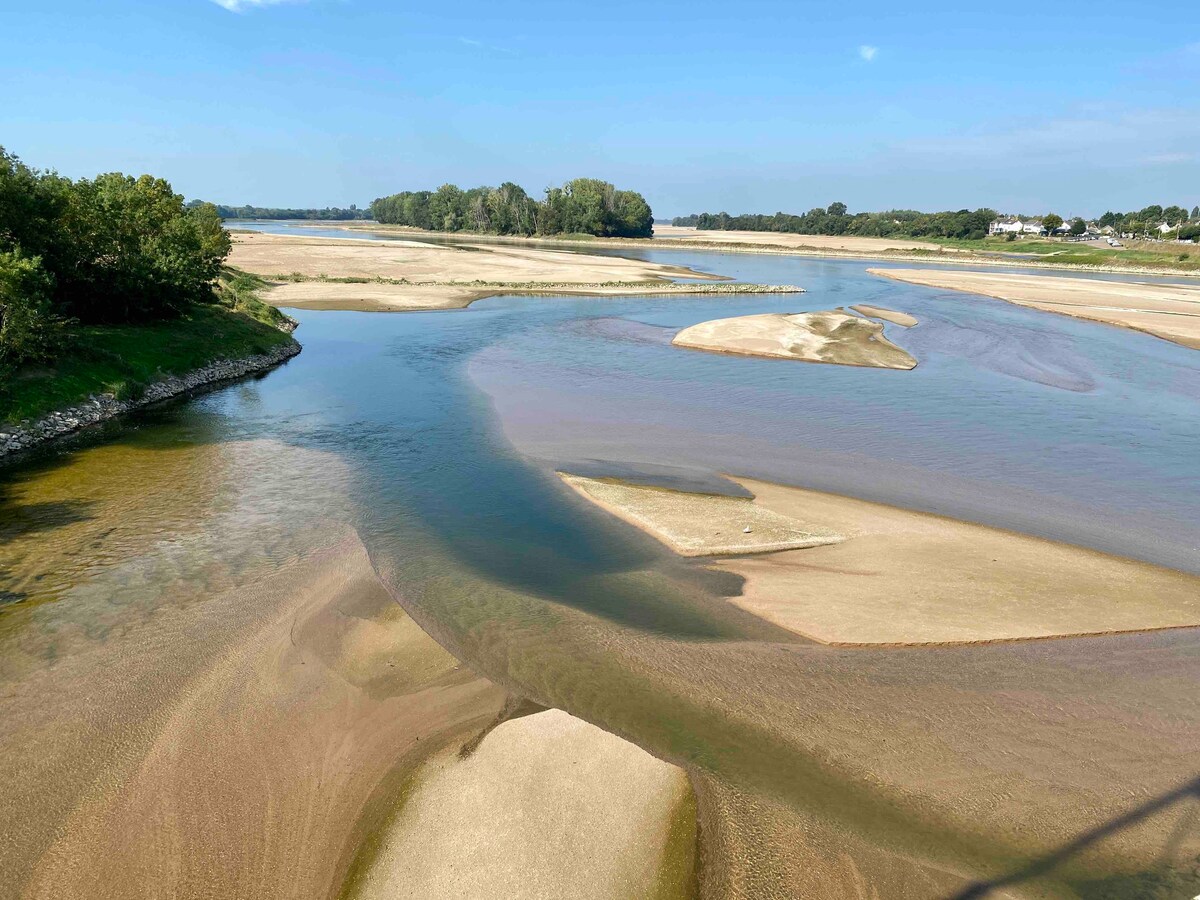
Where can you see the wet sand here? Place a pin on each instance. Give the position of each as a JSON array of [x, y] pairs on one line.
[[817, 337], [251, 776], [1167, 311], [546, 806], [901, 577]]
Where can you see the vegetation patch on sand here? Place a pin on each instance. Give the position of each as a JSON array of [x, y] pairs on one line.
[[828, 336], [1168, 311], [694, 524], [546, 805], [903, 577]]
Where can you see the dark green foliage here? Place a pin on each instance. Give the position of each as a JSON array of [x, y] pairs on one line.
[[114, 248], [582, 206], [1052, 222], [1078, 226], [29, 331], [835, 219]]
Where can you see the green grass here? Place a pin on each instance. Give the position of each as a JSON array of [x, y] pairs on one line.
[[1135, 255], [124, 359]]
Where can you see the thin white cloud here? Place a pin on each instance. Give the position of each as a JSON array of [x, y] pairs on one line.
[[867, 52], [238, 6]]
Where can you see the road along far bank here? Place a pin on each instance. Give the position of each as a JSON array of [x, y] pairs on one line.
[[873, 574], [394, 276], [1167, 311]]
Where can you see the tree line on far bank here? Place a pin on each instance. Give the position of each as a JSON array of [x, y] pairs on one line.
[[1148, 220], [964, 223], [107, 250], [328, 214], [581, 206], [837, 220]]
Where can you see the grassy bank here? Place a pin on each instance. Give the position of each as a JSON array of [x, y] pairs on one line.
[[124, 359]]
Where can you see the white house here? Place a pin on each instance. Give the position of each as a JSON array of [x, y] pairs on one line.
[[1013, 225]]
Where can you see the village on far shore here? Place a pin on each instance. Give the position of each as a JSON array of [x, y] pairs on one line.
[[1152, 224]]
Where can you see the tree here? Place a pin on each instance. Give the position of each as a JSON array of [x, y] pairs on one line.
[[1195, 213], [1052, 222], [1174, 215], [1078, 226], [29, 331], [836, 209]]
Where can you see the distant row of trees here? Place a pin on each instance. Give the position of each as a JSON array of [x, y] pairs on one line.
[[104, 250], [836, 219], [582, 206], [1147, 220], [328, 214]]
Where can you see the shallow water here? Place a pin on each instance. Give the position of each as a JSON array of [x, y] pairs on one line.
[[1013, 417]]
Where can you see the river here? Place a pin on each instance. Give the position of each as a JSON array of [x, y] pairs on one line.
[[436, 436]]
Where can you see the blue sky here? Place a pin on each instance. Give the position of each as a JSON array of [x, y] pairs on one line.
[[750, 106]]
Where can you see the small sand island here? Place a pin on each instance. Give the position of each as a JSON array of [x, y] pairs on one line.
[[546, 806], [1168, 311], [828, 336], [902, 577], [407, 275]]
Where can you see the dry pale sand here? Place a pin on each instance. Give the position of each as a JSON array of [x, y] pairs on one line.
[[1168, 311], [441, 275], [695, 524], [780, 239], [888, 315], [902, 577], [546, 806], [819, 337]]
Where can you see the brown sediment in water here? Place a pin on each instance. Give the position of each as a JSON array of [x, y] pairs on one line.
[[827, 336], [893, 576], [545, 806], [1167, 311], [251, 776]]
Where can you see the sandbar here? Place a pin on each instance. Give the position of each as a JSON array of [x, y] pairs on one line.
[[695, 524], [788, 240], [903, 577], [888, 315], [546, 806], [821, 337], [334, 273], [1167, 311]]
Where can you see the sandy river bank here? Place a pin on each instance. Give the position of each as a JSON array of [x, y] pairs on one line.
[[863, 573], [1168, 311], [387, 276]]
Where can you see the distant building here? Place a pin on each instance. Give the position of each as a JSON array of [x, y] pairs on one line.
[[1165, 227], [1013, 225]]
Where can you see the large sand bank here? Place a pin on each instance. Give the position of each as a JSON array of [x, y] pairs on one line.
[[903, 577], [1168, 311], [410, 275], [790, 241], [546, 806], [820, 337]]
